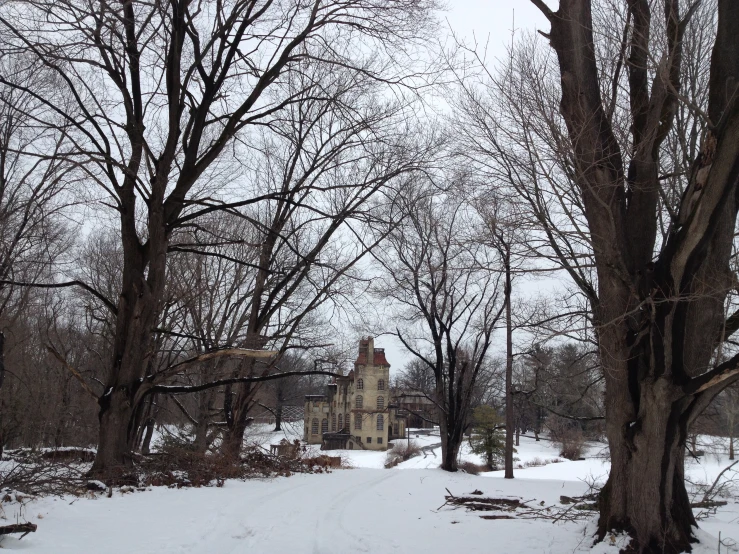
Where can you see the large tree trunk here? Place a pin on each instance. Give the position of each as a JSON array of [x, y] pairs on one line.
[[2, 378], [645, 494], [237, 406], [138, 311], [205, 410], [451, 441], [656, 321]]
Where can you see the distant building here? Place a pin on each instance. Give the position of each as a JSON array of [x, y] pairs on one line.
[[356, 411], [420, 409]]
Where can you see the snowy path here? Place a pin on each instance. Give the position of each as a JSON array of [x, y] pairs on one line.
[[362, 510], [358, 510]]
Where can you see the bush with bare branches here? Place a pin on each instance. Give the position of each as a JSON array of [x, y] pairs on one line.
[[400, 452]]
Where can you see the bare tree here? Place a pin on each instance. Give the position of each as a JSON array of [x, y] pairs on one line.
[[34, 179], [599, 152], [447, 298], [160, 93]]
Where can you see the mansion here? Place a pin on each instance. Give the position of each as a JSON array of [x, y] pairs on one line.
[[356, 412]]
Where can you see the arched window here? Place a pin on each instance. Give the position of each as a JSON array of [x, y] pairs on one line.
[[341, 421], [324, 425], [380, 402], [360, 384], [359, 402], [380, 422], [357, 421], [333, 422], [381, 384], [314, 427]]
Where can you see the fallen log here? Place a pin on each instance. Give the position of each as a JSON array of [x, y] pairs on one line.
[[477, 503], [24, 528], [708, 504]]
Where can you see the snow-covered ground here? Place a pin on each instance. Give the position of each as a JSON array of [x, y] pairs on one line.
[[365, 509]]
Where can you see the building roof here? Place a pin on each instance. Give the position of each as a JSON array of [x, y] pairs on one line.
[[378, 357]]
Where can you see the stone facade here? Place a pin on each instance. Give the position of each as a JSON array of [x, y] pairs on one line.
[[356, 411]]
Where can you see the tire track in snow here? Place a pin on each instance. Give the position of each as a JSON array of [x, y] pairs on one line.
[[223, 525], [333, 519]]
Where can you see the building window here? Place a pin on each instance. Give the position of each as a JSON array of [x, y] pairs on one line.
[[359, 401], [360, 384], [380, 422], [369, 440], [341, 421], [381, 384], [380, 402], [357, 421], [314, 427], [395, 429], [324, 425], [333, 422], [379, 440]]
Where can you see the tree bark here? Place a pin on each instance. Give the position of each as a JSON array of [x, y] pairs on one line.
[[280, 401], [138, 310], [237, 406], [451, 442], [206, 401], [509, 415], [731, 445], [2, 378]]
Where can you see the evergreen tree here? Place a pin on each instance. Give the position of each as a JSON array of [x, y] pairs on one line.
[[487, 438]]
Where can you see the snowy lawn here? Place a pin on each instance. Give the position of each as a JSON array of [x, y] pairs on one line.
[[357, 510]]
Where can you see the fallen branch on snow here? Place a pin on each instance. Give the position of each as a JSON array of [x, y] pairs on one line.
[[24, 528]]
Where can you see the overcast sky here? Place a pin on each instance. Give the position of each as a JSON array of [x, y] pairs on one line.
[[493, 20], [487, 22]]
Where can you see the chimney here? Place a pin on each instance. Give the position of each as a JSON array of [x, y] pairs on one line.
[[370, 351]]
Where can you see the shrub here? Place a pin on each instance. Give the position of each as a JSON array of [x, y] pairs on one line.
[[567, 435], [538, 462], [400, 452], [571, 445], [471, 467]]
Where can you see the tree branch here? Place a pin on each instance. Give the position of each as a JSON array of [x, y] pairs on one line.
[[546, 10], [187, 389], [108, 304]]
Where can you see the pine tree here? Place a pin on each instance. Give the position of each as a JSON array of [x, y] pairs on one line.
[[486, 438]]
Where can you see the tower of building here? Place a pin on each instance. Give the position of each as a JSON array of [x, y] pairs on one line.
[[371, 395]]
